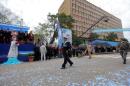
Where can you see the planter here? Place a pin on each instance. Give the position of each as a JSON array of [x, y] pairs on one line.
[[31, 58]]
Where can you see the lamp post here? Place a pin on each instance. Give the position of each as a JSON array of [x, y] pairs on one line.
[[103, 17], [89, 46], [21, 22]]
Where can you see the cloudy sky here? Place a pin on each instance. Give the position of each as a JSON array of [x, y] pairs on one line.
[[119, 8], [35, 11]]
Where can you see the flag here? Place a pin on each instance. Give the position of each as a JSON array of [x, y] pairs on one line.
[[60, 38]]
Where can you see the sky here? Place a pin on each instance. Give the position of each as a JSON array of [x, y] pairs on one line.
[[35, 11], [119, 8]]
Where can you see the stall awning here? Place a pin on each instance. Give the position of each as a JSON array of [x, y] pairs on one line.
[[14, 28], [105, 43]]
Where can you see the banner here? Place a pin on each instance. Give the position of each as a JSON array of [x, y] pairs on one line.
[[60, 38], [68, 34], [62, 32]]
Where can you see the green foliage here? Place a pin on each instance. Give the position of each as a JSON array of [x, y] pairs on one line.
[[94, 36], [4, 19], [111, 36], [31, 54], [76, 40], [43, 31], [66, 21], [42, 28]]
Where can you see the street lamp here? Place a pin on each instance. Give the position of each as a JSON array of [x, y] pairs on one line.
[[21, 22], [103, 17]]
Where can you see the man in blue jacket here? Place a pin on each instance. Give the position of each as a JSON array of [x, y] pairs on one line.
[[66, 53]]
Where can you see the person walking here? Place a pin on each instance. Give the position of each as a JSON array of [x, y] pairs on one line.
[[123, 48], [43, 51], [89, 49], [66, 51]]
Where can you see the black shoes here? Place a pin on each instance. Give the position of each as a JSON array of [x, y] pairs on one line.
[[62, 68], [71, 64], [124, 62]]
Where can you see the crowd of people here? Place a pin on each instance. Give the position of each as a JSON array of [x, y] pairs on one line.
[[6, 36], [43, 51]]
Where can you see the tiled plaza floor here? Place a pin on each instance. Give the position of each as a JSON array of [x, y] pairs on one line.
[[101, 70]]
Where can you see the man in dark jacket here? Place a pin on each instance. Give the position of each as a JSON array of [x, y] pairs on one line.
[[124, 46], [66, 53]]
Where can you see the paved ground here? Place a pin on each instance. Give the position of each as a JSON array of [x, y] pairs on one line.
[[101, 70]]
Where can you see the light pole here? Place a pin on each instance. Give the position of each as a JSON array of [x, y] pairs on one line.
[[103, 17], [21, 22], [89, 46]]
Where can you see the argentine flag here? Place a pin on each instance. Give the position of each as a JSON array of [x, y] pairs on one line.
[[60, 38]]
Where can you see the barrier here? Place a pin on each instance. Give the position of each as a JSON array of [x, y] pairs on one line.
[[24, 51]]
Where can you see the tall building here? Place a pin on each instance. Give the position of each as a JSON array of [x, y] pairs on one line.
[[86, 14]]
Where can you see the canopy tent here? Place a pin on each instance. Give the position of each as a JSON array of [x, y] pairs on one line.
[[105, 43], [14, 28]]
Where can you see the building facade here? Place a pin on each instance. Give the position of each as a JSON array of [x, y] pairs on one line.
[[86, 14]]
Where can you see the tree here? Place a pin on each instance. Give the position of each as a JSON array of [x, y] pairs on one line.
[[41, 28], [4, 19], [111, 36], [94, 36], [66, 21], [42, 31]]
